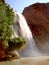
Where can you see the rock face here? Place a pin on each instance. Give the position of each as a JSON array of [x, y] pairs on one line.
[[37, 16]]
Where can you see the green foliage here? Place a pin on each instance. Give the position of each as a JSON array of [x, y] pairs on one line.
[[6, 21], [16, 43]]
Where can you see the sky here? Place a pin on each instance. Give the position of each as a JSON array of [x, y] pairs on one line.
[[19, 5]]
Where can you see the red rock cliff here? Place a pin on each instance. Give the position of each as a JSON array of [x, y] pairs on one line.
[[37, 16]]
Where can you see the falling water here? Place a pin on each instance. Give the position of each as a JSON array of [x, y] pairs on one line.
[[30, 49]]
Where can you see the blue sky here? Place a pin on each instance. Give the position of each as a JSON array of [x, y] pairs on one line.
[[19, 5]]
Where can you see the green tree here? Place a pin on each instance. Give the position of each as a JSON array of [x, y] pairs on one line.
[[6, 21]]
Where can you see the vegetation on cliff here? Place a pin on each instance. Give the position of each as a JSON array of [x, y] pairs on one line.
[[7, 43]]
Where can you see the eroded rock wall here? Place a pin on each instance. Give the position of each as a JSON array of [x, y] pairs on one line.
[[37, 16]]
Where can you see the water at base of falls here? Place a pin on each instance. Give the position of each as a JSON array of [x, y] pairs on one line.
[[30, 49]]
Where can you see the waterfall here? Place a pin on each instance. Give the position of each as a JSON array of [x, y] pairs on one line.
[[24, 31]]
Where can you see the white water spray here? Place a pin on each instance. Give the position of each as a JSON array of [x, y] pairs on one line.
[[21, 28], [30, 49]]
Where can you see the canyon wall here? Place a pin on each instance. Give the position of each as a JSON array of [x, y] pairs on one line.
[[37, 16]]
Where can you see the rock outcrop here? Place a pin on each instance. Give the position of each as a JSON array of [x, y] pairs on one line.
[[37, 16]]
